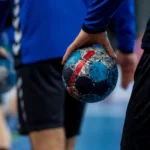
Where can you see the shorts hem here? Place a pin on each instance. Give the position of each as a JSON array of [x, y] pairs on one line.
[[72, 135], [38, 128]]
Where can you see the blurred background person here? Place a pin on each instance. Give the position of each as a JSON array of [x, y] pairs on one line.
[[123, 27], [7, 82], [122, 35]]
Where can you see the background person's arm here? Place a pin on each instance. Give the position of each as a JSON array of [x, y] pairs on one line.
[[125, 26]]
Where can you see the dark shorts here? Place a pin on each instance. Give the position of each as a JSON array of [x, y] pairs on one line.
[[136, 131], [43, 102]]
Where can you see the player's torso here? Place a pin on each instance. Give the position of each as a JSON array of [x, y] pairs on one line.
[[46, 27]]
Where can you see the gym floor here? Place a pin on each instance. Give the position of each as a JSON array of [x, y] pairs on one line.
[[102, 124]]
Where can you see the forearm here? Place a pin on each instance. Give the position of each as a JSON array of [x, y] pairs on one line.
[[99, 15]]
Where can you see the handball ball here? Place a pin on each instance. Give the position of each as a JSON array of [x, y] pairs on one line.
[[7, 75], [90, 75]]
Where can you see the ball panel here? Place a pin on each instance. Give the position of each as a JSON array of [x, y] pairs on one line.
[[91, 98], [84, 51], [108, 61], [97, 57], [85, 70], [84, 85], [67, 74], [101, 88], [90, 74], [73, 59], [112, 77], [74, 93], [98, 71]]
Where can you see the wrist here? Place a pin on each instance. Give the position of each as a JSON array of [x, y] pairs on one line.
[[126, 51], [92, 30]]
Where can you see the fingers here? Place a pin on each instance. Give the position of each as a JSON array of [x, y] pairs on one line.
[[127, 77], [109, 50], [80, 41], [3, 52], [69, 50]]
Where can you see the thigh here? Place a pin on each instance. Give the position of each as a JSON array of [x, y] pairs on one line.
[[136, 131], [40, 96], [74, 113]]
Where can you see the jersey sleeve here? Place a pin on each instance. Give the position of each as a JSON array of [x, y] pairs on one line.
[[99, 15], [125, 26]]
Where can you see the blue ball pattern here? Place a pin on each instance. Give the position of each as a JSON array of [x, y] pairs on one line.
[[91, 98], [98, 71], [112, 77], [90, 75], [73, 59]]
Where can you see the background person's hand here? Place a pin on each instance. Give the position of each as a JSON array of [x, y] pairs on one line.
[[86, 39], [3, 70], [128, 63], [3, 52]]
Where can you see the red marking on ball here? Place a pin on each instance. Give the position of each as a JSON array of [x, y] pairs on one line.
[[89, 55], [79, 67]]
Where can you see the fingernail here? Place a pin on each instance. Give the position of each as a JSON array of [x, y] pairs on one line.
[[115, 56]]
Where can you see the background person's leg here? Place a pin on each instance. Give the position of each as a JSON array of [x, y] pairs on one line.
[[5, 136], [74, 113], [70, 143], [41, 104], [52, 139]]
